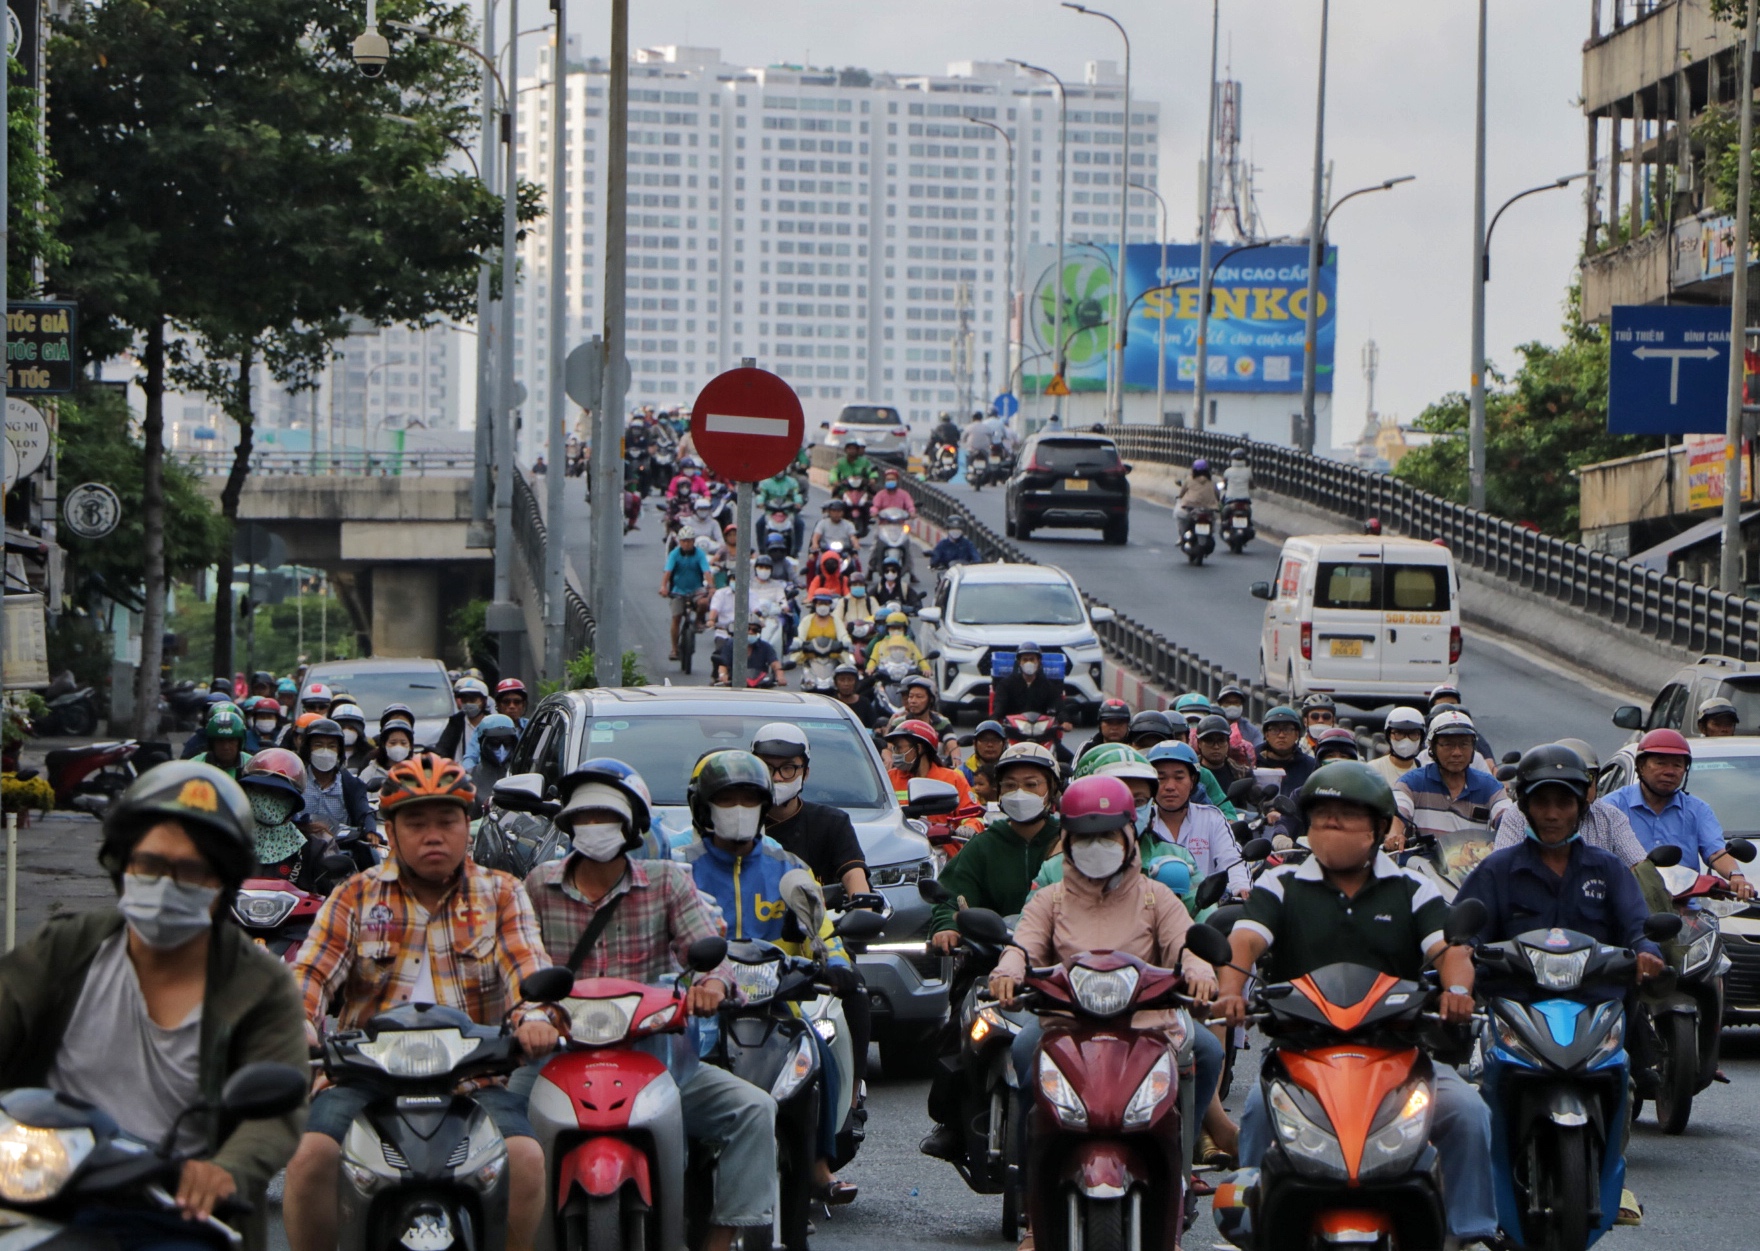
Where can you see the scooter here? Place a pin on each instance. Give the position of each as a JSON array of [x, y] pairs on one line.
[[891, 542], [858, 502], [1555, 1074], [819, 660], [1034, 727], [1198, 539], [278, 914], [1104, 1139], [186, 704], [73, 709], [606, 1111], [90, 778], [1237, 525], [65, 1156], [779, 528], [943, 462]]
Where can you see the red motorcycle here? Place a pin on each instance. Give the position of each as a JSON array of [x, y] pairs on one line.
[[858, 502], [89, 778], [276, 913], [1034, 727], [1104, 1145]]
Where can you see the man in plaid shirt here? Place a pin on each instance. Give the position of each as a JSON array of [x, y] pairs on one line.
[[427, 926], [658, 916]]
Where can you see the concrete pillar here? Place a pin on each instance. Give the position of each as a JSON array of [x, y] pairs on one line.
[[1592, 197], [1637, 209], [1613, 174], [406, 610]]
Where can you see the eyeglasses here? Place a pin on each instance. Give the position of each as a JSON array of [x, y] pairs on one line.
[[183, 872], [785, 771]]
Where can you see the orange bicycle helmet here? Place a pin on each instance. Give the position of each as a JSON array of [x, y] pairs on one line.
[[423, 778]]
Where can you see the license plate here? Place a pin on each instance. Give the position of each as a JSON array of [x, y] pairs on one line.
[[1241, 523], [1347, 647], [1201, 528], [1075, 484]]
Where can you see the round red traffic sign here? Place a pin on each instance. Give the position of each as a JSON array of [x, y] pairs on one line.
[[747, 425]]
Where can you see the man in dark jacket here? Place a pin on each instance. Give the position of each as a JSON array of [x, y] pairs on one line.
[[163, 985], [1027, 689]]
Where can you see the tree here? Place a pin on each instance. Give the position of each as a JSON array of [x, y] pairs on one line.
[[1539, 427]]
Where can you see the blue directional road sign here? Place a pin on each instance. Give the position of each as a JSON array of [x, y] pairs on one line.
[[1006, 405], [1668, 371]]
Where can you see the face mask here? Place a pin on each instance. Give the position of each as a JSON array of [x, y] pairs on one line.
[[1023, 806], [1029, 668], [498, 754], [1231, 712], [324, 760], [270, 807], [763, 575], [735, 824], [350, 738], [784, 792], [598, 840], [396, 752], [1405, 748], [821, 610], [1145, 813], [473, 707], [860, 592], [163, 912], [266, 725], [891, 485], [903, 761], [1096, 858], [1535, 835]]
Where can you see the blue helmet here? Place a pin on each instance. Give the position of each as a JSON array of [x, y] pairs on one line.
[[620, 778], [497, 724], [1178, 752]]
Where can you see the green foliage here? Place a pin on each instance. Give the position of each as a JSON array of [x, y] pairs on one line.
[[467, 624], [33, 210], [582, 672], [1540, 426], [280, 641]]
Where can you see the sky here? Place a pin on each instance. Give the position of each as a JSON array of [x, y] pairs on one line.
[[1400, 97]]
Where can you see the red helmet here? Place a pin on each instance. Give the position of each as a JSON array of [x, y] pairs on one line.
[[921, 731], [264, 703], [509, 686], [1664, 743], [275, 767], [1097, 804]]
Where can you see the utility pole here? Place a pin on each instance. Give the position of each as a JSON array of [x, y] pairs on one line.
[[1057, 343], [1201, 383], [1476, 420], [1008, 250], [481, 534], [1730, 573], [607, 470], [555, 605], [1316, 245], [505, 618]]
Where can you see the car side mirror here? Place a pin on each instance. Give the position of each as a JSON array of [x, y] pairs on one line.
[[1629, 717], [1208, 944], [1664, 857], [1127, 468], [1465, 919], [524, 792], [547, 985], [930, 797], [1260, 590], [930, 614], [706, 954], [1741, 849], [824, 425], [1660, 927], [982, 925], [1100, 614], [264, 1089]]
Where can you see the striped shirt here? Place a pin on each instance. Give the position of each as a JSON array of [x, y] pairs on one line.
[[1604, 826], [1426, 804]]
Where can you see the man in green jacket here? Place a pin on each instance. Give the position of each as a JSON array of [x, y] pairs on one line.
[[146, 1009], [996, 868]]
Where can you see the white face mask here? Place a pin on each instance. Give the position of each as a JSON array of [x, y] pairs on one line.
[[1023, 806], [821, 610], [350, 738], [598, 840], [1405, 748], [325, 759], [1231, 712], [1096, 858], [784, 792], [735, 824], [266, 725], [1029, 668], [763, 575], [396, 752]]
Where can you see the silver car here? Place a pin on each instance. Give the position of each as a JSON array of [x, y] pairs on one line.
[[882, 431], [373, 684]]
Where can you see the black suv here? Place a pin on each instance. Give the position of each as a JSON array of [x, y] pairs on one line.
[[1070, 480]]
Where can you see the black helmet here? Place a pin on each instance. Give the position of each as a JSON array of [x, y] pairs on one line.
[[1151, 721], [722, 770], [1282, 714], [1214, 724], [322, 726], [1113, 710], [211, 807], [1351, 781], [1549, 764]]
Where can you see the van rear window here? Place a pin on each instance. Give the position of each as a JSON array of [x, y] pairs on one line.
[[1416, 588], [1367, 586], [1348, 586]]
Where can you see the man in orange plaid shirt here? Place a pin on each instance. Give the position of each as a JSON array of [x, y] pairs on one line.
[[427, 926]]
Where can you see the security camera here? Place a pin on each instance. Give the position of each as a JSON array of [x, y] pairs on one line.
[[371, 51]]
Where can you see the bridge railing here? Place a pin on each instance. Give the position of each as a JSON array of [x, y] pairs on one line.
[[427, 463], [531, 536], [1687, 614], [1167, 665]]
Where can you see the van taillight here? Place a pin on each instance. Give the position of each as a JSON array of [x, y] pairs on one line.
[[1307, 640], [1454, 644]]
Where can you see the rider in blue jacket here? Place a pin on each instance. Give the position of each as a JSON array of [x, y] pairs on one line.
[[955, 548]]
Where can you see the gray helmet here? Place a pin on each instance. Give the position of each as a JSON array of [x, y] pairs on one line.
[[1551, 764], [212, 808]]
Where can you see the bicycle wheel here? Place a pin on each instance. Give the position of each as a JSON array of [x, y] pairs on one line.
[[687, 639]]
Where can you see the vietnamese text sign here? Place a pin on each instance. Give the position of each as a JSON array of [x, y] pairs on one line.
[[40, 347], [1706, 463], [1668, 369]]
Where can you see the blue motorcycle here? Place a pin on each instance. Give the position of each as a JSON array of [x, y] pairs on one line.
[[1555, 1074]]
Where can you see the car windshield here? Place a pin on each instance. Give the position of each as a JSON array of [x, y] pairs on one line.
[[862, 416], [1016, 603], [1744, 693], [1075, 456], [1729, 786], [664, 749], [424, 690]]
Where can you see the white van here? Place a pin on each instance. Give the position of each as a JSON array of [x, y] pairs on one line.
[[1363, 618]]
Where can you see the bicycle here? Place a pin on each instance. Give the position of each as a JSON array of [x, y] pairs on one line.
[[688, 625]]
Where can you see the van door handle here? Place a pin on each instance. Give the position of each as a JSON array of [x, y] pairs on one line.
[[1392, 635]]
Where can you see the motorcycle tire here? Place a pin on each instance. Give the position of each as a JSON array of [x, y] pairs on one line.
[[79, 721], [1568, 1195], [1195, 556], [597, 1225], [687, 642], [1102, 1223], [1013, 1177], [1680, 1071], [794, 1194], [908, 1055]]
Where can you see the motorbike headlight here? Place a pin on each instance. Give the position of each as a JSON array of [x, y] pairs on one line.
[[1156, 1085], [1312, 1147], [1509, 1037], [988, 1021], [1391, 1148], [799, 1068], [1699, 952], [901, 874], [485, 1156], [1072, 1113], [600, 1022], [1611, 1019], [826, 1028], [263, 909], [417, 1052], [35, 1163], [1558, 971], [1103, 992], [756, 982], [660, 1019]]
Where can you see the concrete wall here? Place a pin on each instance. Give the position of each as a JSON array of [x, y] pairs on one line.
[[1630, 59], [1634, 274]]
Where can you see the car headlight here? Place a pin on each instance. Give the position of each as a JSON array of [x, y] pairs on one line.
[[1611, 1018], [1699, 952], [901, 874], [1509, 1037], [264, 909], [756, 982], [1103, 992], [600, 1022], [799, 1068], [1558, 971], [417, 1052], [1155, 1086], [1391, 1149], [1072, 1113], [35, 1163], [1313, 1148]]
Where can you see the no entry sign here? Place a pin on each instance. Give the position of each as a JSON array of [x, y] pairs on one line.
[[747, 425]]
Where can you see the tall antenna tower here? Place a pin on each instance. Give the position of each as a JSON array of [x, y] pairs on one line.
[[1234, 210], [1371, 367]]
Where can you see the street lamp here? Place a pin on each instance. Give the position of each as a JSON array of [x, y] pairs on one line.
[[1115, 374], [1161, 331], [1316, 245], [1201, 381], [1057, 297], [1008, 249], [1485, 254]]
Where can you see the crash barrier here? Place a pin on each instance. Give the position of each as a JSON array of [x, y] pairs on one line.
[[1686, 614], [531, 536], [427, 463], [1130, 643]]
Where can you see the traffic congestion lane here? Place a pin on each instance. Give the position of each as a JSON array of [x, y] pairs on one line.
[[1516, 700]]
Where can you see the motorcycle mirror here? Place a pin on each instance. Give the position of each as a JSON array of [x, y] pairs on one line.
[[1258, 849], [1208, 944], [931, 891], [934, 654], [1664, 857], [1659, 927], [1210, 891], [1465, 919], [706, 954], [524, 792], [338, 864], [1241, 790], [1741, 849], [547, 985], [1265, 793], [1286, 805], [1224, 918], [1506, 773], [982, 925], [929, 797], [264, 1089], [1241, 829], [859, 925], [1512, 757]]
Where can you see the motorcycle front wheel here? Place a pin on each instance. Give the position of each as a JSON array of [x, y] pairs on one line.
[[1679, 1036], [1101, 1222], [1567, 1192]]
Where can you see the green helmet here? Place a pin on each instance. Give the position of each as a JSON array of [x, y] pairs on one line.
[[1283, 714], [1117, 760], [1191, 701], [719, 771], [1351, 781], [224, 722]]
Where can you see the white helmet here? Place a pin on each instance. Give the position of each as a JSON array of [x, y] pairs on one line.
[[471, 686], [686, 532], [1405, 719], [1452, 721]]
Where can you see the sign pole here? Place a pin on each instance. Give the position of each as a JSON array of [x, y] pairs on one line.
[[1730, 572], [608, 420], [742, 583]]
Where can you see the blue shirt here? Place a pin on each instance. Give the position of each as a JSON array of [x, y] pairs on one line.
[[1686, 821], [689, 573]]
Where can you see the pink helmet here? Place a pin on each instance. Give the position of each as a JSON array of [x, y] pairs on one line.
[[1097, 805]]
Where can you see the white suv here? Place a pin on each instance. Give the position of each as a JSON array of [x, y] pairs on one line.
[[981, 613]]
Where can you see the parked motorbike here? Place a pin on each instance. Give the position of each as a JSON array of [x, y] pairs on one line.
[[73, 709], [1237, 525], [1198, 539], [186, 704], [90, 778], [943, 462]]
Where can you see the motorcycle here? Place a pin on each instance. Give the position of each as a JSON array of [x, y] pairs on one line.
[[63, 1157], [278, 915], [186, 704], [943, 462], [820, 658], [1554, 1072], [858, 502], [606, 1110], [983, 468], [1237, 525], [632, 511], [90, 778], [1449, 858], [1034, 727], [1198, 539], [779, 529], [891, 542], [888, 678], [1104, 1138], [73, 709]]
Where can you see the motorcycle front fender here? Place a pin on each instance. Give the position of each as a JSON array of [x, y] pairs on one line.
[[601, 1167], [1566, 1107], [1104, 1169]]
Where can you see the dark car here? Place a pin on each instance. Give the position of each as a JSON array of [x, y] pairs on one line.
[[1075, 480]]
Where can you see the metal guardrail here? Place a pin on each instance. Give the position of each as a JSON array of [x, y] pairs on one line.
[[530, 534], [1660, 606], [1167, 665], [426, 463]]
